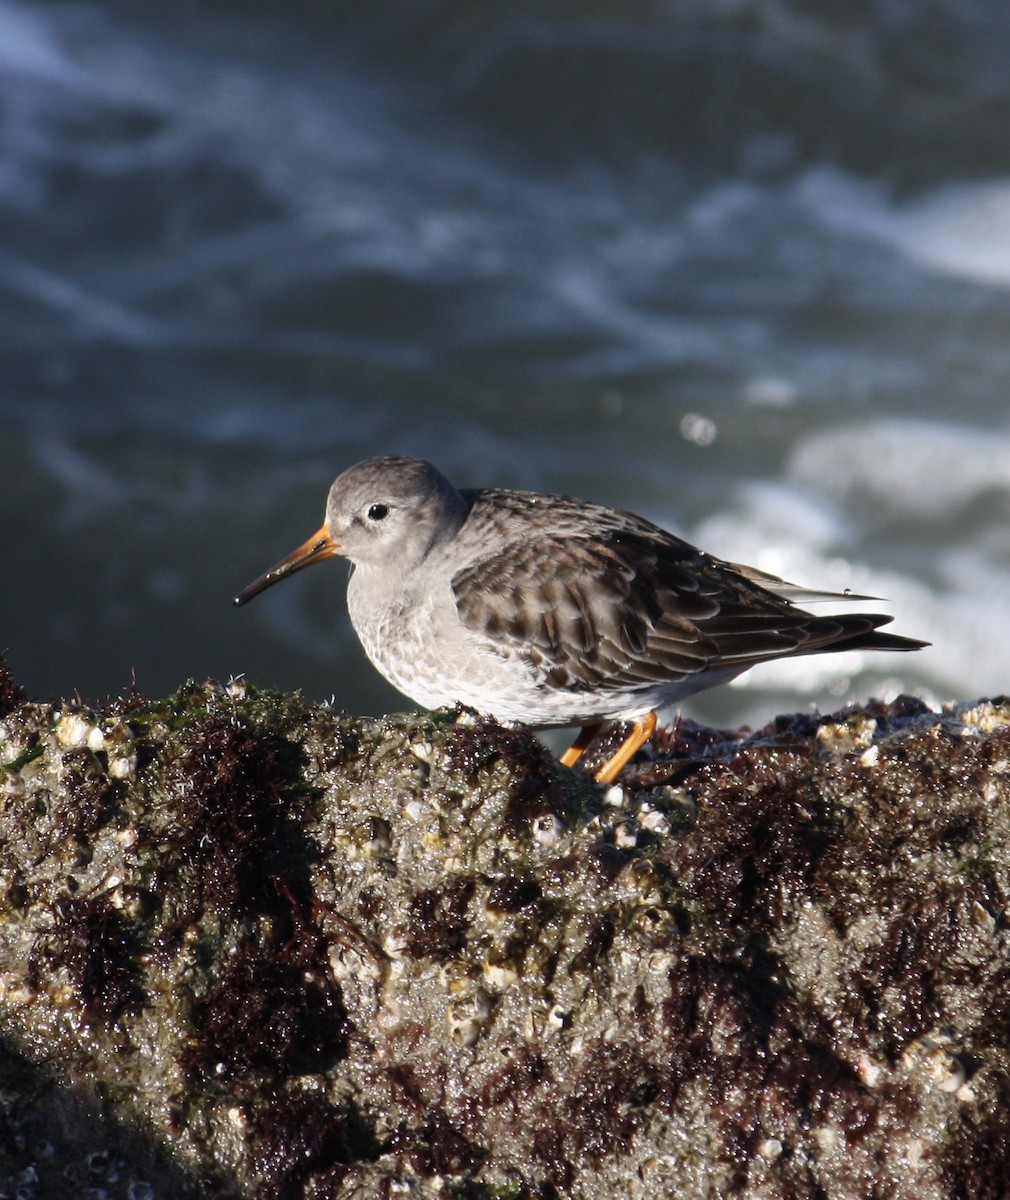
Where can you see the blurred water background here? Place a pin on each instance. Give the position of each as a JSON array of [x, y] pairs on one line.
[[742, 266]]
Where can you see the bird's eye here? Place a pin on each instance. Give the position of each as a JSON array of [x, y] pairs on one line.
[[378, 512]]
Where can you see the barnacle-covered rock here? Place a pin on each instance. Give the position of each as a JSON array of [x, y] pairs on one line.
[[249, 947]]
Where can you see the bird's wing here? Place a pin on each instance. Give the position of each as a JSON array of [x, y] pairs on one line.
[[793, 591], [594, 599]]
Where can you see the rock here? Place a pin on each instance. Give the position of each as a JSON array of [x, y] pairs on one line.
[[251, 947]]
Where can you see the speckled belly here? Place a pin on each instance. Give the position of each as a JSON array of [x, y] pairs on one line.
[[424, 652]]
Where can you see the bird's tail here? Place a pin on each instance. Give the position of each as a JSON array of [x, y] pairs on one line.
[[855, 631]]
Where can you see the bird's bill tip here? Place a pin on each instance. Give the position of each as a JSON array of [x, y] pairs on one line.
[[321, 545]]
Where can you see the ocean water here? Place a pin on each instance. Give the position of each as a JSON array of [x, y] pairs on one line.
[[741, 267]]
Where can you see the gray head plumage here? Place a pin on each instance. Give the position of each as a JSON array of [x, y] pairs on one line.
[[392, 510]]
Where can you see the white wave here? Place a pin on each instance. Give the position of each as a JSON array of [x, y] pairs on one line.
[[958, 229], [28, 47], [951, 591], [920, 468]]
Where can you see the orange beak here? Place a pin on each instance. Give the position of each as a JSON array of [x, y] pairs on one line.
[[321, 545]]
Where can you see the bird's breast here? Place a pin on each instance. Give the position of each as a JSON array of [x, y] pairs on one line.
[[401, 629]]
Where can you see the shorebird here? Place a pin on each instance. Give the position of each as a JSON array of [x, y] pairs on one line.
[[549, 610]]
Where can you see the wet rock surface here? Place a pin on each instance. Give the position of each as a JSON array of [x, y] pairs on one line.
[[250, 947]]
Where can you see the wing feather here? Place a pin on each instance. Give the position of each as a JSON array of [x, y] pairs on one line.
[[594, 599]]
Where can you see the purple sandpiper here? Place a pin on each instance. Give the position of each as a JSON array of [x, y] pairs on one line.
[[552, 611]]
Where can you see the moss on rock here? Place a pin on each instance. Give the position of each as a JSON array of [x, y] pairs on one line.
[[249, 947]]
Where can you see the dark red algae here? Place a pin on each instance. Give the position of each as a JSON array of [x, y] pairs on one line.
[[277, 952]]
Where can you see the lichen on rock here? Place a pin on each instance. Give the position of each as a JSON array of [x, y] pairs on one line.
[[251, 947]]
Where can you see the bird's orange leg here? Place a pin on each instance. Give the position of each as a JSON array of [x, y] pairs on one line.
[[641, 730], [576, 750]]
